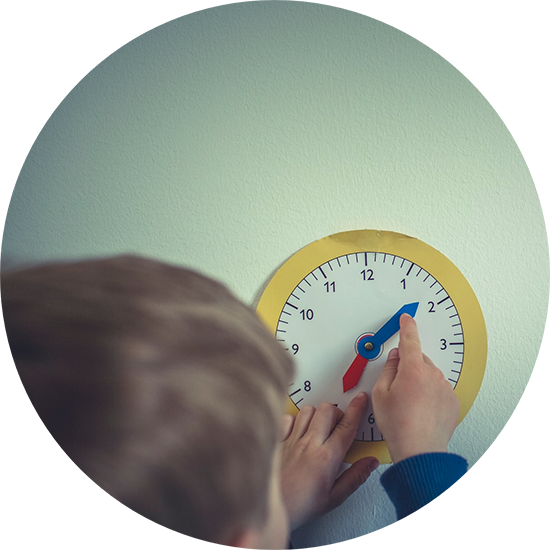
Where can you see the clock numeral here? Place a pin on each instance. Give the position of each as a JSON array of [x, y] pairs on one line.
[[370, 274], [432, 307], [331, 287], [307, 385], [371, 419], [443, 344], [403, 283], [295, 348], [307, 314]]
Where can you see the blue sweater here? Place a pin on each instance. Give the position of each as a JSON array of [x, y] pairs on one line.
[[429, 492]]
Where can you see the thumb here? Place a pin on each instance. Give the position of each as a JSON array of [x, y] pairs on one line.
[[389, 371], [350, 480]]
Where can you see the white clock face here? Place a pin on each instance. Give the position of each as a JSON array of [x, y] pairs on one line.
[[348, 297]]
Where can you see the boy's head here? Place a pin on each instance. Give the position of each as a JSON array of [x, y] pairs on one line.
[[160, 385]]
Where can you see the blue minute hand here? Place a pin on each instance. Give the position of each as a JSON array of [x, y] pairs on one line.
[[368, 347], [384, 333]]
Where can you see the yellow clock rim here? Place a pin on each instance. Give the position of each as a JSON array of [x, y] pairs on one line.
[[305, 260]]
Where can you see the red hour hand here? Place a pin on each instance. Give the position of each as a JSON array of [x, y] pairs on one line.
[[353, 374]]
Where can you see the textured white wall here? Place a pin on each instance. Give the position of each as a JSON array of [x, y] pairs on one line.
[[230, 138]]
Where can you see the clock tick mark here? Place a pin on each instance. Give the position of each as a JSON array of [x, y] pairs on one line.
[[410, 269], [444, 299]]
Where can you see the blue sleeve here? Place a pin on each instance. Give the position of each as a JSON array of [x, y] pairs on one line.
[[415, 481]]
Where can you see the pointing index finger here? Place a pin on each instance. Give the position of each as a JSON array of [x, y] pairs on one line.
[[344, 432], [409, 340]]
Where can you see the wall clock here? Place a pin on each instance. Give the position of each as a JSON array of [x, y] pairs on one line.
[[335, 305]]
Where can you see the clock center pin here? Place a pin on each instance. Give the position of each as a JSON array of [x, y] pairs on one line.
[[367, 348]]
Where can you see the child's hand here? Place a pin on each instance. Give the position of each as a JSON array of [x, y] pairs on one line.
[[313, 448], [415, 407]]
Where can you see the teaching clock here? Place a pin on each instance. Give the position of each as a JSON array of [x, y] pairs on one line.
[[335, 306]]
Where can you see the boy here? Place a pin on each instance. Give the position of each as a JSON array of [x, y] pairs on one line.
[[168, 393]]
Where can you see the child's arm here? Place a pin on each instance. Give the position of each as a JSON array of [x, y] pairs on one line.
[[416, 410]]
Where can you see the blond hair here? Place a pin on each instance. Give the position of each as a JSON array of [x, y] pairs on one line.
[[157, 382]]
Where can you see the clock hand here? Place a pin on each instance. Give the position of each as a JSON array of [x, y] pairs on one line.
[[392, 326], [368, 347], [354, 372]]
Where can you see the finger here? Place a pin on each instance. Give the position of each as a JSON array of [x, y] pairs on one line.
[[287, 424], [302, 421], [323, 422], [339, 416], [350, 480], [389, 371], [344, 432], [427, 360], [409, 340]]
